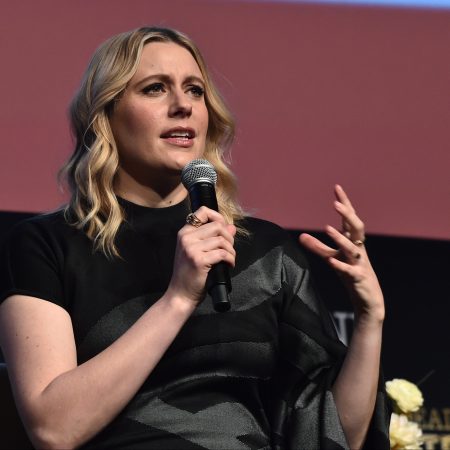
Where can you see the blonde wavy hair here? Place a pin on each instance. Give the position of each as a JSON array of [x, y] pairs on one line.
[[91, 169]]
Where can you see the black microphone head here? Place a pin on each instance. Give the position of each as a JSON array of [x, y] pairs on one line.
[[196, 171]]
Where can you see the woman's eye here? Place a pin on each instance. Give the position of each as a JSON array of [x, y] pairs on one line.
[[153, 88], [197, 91]]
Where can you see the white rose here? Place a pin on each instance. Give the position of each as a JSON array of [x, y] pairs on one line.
[[403, 434], [406, 395]]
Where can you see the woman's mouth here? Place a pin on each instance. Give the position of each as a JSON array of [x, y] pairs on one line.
[[179, 136]]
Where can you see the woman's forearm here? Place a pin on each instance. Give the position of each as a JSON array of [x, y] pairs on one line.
[[355, 388], [80, 402]]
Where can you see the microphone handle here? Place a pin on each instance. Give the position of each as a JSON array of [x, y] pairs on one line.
[[218, 283]]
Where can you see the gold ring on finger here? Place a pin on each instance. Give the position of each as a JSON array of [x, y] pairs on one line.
[[193, 220]]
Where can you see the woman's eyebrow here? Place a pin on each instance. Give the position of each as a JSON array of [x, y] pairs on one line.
[[168, 79], [155, 76], [194, 79]]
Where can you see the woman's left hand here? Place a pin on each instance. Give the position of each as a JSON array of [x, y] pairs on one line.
[[350, 260]]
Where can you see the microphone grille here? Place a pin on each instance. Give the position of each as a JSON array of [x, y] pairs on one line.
[[198, 170]]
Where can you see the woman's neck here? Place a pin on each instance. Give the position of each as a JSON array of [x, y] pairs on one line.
[[153, 196]]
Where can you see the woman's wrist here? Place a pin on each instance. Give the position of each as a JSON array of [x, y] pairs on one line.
[[179, 303], [371, 313], [369, 322]]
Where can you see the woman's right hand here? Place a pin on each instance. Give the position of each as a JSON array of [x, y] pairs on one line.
[[198, 249]]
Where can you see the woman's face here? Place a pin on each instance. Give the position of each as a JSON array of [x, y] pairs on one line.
[[161, 120]]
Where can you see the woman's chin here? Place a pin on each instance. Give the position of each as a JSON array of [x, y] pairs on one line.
[[185, 159]]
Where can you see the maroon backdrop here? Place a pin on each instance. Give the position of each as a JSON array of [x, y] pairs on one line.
[[322, 94]]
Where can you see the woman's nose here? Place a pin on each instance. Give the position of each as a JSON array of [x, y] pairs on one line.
[[180, 105]]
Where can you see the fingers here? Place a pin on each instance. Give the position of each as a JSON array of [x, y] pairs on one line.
[[209, 243], [350, 261], [203, 242], [205, 215], [349, 242], [349, 251], [352, 225], [215, 249], [208, 222], [316, 246], [341, 196]]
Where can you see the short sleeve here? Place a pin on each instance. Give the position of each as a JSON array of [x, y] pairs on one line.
[[30, 263], [306, 416]]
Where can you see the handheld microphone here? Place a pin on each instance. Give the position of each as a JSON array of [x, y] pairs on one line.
[[199, 178]]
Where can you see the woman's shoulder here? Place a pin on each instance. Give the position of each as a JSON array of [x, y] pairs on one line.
[[258, 228], [264, 236], [49, 227], [42, 221]]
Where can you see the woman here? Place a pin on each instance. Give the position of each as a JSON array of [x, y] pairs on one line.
[[108, 341]]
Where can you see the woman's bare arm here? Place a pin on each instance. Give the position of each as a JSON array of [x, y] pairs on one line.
[[63, 405]]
